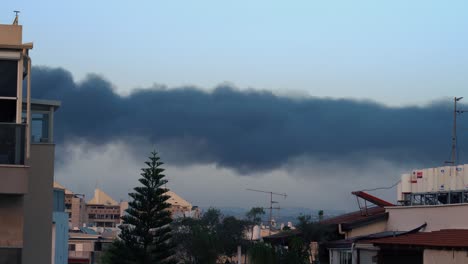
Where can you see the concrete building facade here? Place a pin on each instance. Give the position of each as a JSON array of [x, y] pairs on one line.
[[26, 157]]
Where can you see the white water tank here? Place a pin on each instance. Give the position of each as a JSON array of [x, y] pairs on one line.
[[406, 183], [256, 232], [399, 192], [425, 179], [443, 178], [430, 180], [465, 176], [460, 177], [452, 178]]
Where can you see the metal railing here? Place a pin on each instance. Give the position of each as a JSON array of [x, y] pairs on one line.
[[12, 143]]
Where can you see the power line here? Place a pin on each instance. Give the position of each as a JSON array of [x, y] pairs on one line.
[[381, 188]]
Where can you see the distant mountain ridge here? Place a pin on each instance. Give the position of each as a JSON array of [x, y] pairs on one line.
[[287, 214]]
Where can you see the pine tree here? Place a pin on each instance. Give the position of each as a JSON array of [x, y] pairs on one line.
[[145, 233]]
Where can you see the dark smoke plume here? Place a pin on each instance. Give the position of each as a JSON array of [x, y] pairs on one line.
[[246, 130]]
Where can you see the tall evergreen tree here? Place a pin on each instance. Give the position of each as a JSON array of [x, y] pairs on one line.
[[145, 233]]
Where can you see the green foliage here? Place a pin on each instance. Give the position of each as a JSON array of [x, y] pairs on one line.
[[315, 231], [320, 215], [297, 252], [205, 240], [263, 253], [145, 233], [255, 215]]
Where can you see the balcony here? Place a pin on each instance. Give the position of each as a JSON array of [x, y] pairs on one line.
[[13, 172], [12, 143]]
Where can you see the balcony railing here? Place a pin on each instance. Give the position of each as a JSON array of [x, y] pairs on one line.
[[12, 143]]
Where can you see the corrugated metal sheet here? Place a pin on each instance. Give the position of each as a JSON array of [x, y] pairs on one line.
[[451, 238]]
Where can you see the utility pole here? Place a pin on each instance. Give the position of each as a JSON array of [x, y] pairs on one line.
[[271, 204], [453, 158]]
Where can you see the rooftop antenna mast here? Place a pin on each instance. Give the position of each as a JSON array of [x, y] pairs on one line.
[[15, 22], [270, 222], [453, 158]]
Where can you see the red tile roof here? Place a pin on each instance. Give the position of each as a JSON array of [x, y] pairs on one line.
[[354, 216], [452, 238]]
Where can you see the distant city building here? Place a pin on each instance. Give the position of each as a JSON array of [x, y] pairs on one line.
[[102, 210], [181, 207], [75, 207], [86, 245], [27, 152]]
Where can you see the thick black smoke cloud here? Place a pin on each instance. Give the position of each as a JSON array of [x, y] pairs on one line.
[[246, 130]]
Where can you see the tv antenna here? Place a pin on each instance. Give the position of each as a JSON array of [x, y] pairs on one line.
[[453, 158], [270, 222], [15, 22]]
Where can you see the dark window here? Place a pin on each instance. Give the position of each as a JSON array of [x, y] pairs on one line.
[[10, 255], [71, 247], [98, 246], [8, 80], [7, 110]]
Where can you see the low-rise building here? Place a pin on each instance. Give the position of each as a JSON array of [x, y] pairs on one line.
[[85, 245], [429, 225]]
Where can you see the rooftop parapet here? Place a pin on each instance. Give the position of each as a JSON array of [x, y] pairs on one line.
[[11, 35]]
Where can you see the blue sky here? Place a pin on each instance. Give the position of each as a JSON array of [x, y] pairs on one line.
[[394, 52]]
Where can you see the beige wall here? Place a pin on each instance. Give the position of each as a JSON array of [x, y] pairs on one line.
[[78, 212], [432, 256], [38, 206], [11, 34], [11, 220], [368, 229], [404, 218]]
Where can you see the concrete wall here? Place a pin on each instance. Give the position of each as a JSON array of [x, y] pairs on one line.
[[11, 220], [404, 218], [368, 229], [14, 179], [11, 34], [10, 256], [367, 256], [78, 212], [38, 204], [432, 256]]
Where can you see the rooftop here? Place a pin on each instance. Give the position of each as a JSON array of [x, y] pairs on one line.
[[100, 197], [354, 216], [445, 238], [175, 199]]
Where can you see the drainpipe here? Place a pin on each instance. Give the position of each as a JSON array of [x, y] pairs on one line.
[[28, 105], [340, 230]]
